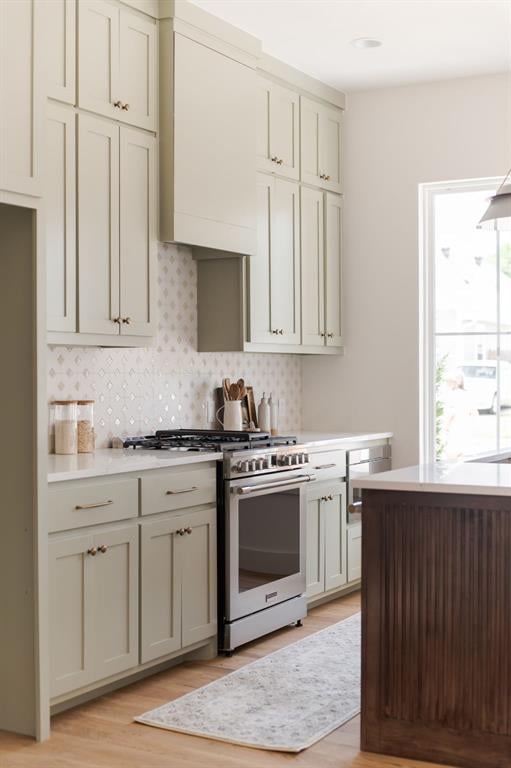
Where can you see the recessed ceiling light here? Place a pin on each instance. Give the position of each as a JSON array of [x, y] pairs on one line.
[[366, 42]]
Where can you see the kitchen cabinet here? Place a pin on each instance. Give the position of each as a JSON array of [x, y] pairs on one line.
[[326, 561], [60, 196], [320, 145], [178, 582], [274, 271], [321, 258], [278, 125], [60, 49], [93, 605], [117, 63], [354, 552], [117, 232], [207, 142], [21, 105]]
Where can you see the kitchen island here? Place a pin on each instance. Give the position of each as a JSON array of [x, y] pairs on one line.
[[436, 597]]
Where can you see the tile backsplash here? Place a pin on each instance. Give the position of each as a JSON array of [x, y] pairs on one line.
[[168, 385]]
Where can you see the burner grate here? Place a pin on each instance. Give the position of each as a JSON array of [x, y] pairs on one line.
[[207, 440]]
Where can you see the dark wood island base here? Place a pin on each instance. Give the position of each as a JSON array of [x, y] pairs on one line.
[[436, 648]]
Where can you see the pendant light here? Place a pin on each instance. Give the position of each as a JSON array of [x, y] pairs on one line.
[[498, 213]]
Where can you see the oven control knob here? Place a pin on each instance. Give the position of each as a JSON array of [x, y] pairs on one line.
[[244, 466], [260, 463], [289, 461], [305, 458], [252, 465]]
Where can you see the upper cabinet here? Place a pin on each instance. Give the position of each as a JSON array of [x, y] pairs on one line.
[[117, 63], [278, 146], [320, 145], [60, 49], [21, 105], [207, 141]]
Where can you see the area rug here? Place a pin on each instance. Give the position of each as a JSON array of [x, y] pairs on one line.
[[285, 701]]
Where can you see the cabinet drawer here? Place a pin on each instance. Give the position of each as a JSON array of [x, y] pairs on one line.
[[77, 504], [328, 464], [178, 489]]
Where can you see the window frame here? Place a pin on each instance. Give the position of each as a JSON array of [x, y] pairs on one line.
[[427, 328]]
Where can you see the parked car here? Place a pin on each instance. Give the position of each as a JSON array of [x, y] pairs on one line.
[[480, 381]]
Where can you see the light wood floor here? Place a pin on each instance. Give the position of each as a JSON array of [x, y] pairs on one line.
[[101, 733]]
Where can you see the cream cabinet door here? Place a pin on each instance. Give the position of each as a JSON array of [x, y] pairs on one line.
[[138, 71], [60, 49], [114, 601], [277, 129], [274, 272], [214, 160], [60, 192], [21, 105], [160, 589], [71, 612], [312, 257], [355, 552], [333, 270], [98, 226], [138, 233], [330, 127], [334, 506], [197, 562], [98, 58], [310, 112], [315, 558]]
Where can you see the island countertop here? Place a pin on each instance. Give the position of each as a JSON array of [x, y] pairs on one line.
[[480, 479]]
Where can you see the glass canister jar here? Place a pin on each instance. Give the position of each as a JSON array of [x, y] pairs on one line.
[[66, 426], [86, 437]]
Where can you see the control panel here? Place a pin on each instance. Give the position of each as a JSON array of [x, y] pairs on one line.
[[269, 461]]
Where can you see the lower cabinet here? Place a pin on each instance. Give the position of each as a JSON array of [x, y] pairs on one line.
[[326, 562], [355, 552], [93, 605], [178, 582]]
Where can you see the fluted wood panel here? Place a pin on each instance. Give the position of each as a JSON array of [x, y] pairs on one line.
[[437, 627]]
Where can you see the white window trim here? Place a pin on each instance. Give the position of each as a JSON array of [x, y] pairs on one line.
[[427, 367]]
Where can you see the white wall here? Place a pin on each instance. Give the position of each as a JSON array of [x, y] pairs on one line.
[[395, 139]]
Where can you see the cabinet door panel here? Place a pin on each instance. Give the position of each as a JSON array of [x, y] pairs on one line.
[[263, 151], [259, 265], [285, 262], [160, 590], [60, 49], [355, 552], [138, 70], [333, 270], [309, 141], [330, 148], [315, 560], [98, 57], [115, 601], [71, 621], [98, 225], [21, 111], [335, 537], [284, 127], [313, 306], [138, 233], [60, 180], [197, 558]]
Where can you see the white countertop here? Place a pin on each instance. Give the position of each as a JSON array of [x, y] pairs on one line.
[[114, 461], [343, 438], [473, 478]]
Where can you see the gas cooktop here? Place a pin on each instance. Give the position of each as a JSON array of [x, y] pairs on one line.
[[207, 440]]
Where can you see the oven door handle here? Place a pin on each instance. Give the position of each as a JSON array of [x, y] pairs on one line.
[[270, 486]]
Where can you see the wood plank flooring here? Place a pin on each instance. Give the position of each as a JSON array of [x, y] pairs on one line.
[[101, 733]]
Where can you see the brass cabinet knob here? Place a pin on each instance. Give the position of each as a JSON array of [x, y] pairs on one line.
[[275, 331], [280, 161], [126, 320], [102, 548], [188, 530], [180, 531], [275, 159], [327, 178], [116, 320], [322, 334], [125, 107], [118, 104], [281, 331], [92, 551], [330, 335]]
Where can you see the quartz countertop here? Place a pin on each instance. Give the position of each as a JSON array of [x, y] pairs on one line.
[[114, 461], [473, 478], [346, 439]]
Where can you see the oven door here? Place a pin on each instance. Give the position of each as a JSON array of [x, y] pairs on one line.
[[265, 547]]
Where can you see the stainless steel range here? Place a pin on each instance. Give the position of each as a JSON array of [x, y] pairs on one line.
[[261, 528]]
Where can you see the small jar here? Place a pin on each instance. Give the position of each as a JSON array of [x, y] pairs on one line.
[[86, 438], [66, 426]]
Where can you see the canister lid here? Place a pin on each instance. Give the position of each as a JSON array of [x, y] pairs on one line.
[[86, 402], [64, 402]]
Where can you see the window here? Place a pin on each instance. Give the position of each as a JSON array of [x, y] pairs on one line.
[[466, 325]]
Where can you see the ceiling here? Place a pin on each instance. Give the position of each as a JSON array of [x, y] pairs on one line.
[[423, 40]]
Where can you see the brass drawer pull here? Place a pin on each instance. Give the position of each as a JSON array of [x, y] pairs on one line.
[[96, 505], [182, 490], [326, 466]]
